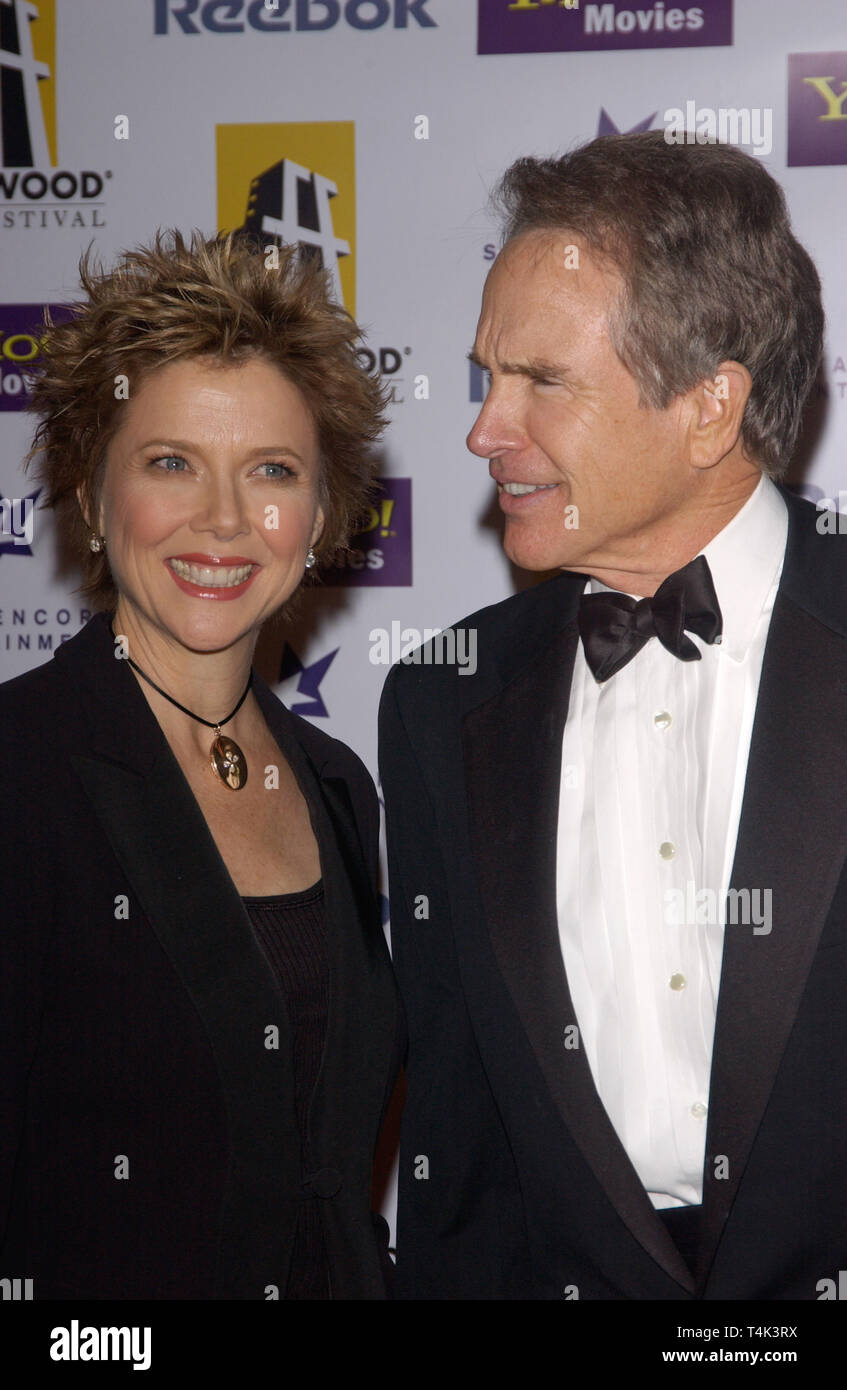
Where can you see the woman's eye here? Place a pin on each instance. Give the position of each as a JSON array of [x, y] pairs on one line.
[[277, 470], [170, 463]]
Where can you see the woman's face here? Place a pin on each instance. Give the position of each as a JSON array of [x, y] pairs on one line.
[[209, 500]]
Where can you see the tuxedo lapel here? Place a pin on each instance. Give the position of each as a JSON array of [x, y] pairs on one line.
[[792, 841], [512, 746]]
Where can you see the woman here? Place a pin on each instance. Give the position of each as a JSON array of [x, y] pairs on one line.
[[200, 1025]]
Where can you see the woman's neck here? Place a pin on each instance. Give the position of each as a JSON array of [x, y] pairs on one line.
[[210, 684]]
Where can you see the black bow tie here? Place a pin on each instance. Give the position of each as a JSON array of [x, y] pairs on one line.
[[613, 626]]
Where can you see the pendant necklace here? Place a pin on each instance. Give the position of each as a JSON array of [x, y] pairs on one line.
[[226, 759]]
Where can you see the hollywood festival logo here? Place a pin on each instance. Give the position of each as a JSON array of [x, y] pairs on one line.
[[294, 183], [34, 190]]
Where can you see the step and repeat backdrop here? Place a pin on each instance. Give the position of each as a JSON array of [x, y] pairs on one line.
[[373, 131]]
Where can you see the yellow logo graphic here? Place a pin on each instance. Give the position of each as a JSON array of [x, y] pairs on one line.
[[294, 183], [28, 84]]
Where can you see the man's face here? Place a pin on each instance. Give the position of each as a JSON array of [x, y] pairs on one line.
[[563, 416]]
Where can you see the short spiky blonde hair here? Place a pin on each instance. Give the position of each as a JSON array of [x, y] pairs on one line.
[[223, 298]]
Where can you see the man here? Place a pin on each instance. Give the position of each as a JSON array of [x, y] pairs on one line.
[[616, 851]]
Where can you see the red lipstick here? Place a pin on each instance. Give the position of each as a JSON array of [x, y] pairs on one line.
[[208, 591]]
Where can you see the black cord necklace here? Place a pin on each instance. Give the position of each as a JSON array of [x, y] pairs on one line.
[[225, 757]]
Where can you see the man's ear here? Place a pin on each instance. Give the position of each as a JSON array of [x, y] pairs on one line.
[[718, 410]]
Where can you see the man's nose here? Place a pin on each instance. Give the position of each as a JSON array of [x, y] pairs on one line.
[[496, 428]]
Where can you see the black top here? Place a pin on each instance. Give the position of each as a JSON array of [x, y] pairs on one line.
[[291, 930]]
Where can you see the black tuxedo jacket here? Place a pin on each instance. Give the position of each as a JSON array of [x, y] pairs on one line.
[[148, 1140], [513, 1182]]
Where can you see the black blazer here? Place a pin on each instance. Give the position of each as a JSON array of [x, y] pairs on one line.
[[134, 1004], [529, 1192]]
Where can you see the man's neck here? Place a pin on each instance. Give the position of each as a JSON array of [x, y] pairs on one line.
[[661, 554]]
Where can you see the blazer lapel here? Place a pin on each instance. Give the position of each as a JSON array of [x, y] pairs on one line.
[[512, 747], [161, 839]]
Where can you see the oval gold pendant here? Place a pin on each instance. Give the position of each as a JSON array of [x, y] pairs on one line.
[[228, 762]]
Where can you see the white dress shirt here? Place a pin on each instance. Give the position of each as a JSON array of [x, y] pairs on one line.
[[653, 769]]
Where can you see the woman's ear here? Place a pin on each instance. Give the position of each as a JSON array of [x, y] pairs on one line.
[[94, 523], [83, 505], [318, 528]]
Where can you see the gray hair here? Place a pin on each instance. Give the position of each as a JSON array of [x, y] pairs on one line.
[[701, 237]]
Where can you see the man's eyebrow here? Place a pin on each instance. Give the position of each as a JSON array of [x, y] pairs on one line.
[[535, 367]]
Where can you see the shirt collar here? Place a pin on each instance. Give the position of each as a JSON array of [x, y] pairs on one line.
[[745, 560]]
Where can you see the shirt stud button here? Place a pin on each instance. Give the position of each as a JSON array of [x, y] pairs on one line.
[[667, 850], [698, 1109], [662, 720], [677, 982]]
